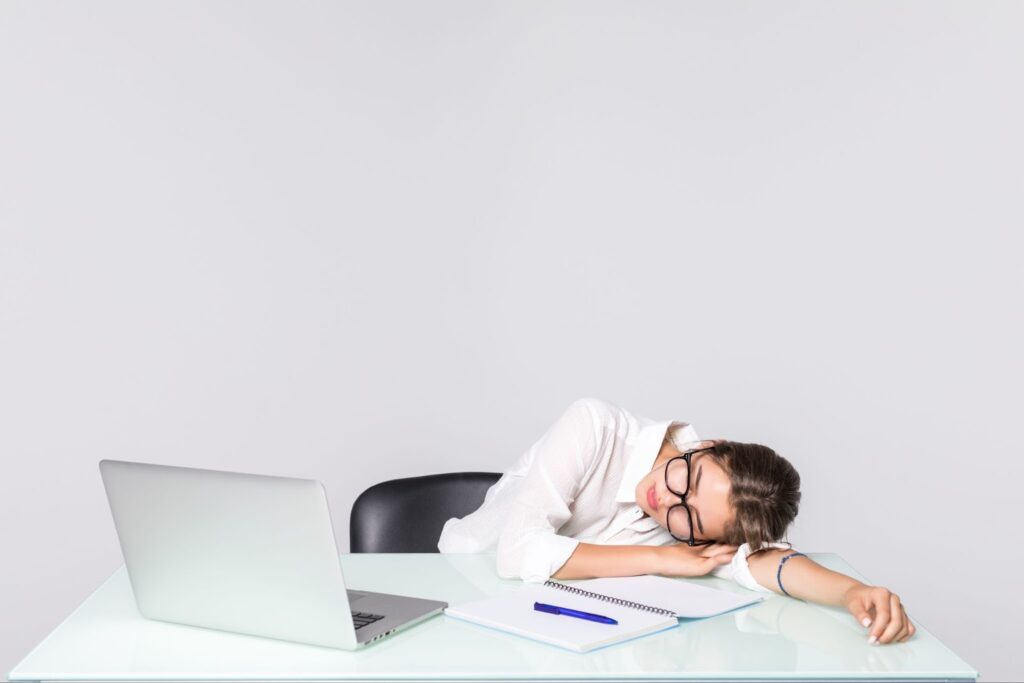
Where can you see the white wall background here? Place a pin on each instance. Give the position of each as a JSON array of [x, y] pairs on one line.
[[361, 240]]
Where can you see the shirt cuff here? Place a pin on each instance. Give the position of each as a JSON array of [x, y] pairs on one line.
[[739, 571], [687, 435]]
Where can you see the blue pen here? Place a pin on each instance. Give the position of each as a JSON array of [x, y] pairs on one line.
[[552, 609]]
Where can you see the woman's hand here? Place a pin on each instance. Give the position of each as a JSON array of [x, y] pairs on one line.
[[698, 560], [880, 609]]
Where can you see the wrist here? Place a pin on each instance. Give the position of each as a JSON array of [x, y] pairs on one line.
[[847, 591]]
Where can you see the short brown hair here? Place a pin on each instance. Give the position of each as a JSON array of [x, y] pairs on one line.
[[765, 493]]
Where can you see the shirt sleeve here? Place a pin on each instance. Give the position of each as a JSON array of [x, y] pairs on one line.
[[529, 547], [739, 571]]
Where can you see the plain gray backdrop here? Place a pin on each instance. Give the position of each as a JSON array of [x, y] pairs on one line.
[[362, 240]]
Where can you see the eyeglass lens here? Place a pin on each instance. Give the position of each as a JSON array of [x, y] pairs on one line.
[[678, 479]]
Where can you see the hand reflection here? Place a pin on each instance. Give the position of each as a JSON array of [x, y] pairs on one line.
[[770, 636], [829, 630]]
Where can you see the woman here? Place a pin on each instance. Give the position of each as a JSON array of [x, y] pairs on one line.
[[608, 493]]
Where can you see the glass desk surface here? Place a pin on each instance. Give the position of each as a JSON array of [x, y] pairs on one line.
[[105, 639]]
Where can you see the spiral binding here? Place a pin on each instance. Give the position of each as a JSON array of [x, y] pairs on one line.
[[607, 598]]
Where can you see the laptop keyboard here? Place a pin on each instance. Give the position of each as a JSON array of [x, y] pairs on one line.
[[361, 619]]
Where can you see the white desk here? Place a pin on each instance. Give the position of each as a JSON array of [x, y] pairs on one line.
[[781, 638]]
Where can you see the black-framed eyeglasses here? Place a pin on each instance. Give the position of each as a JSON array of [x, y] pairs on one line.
[[677, 480]]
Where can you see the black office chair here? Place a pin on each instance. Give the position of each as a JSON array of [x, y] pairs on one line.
[[406, 515]]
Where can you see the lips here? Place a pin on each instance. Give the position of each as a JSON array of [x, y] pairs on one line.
[[651, 500]]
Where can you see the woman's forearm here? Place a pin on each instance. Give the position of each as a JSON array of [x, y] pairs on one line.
[[803, 577], [591, 561]]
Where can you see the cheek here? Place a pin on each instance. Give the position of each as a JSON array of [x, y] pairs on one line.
[[647, 482], [641, 491]]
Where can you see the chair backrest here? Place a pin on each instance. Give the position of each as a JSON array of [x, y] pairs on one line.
[[406, 515]]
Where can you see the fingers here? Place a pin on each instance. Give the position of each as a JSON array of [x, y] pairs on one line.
[[904, 632], [882, 611], [699, 560], [908, 628], [896, 625], [718, 549], [859, 610], [702, 565], [710, 563], [911, 629], [880, 601]]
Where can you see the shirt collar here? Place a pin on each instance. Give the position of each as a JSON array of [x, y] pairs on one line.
[[641, 457]]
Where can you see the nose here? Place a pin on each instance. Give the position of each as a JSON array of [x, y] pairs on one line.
[[671, 499]]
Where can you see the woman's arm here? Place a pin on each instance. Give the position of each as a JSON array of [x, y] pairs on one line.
[[529, 546], [873, 606], [591, 561], [805, 579]]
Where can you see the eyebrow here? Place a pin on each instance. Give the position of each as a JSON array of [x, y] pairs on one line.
[[700, 525]]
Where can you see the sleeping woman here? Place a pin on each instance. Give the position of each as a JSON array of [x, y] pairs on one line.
[[605, 492]]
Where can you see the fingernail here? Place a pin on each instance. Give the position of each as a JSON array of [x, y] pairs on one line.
[[866, 622], [872, 639]]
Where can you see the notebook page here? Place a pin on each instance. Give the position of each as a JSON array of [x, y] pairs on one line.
[[686, 599], [513, 611]]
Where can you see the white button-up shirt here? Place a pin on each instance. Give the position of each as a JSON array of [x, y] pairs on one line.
[[577, 483]]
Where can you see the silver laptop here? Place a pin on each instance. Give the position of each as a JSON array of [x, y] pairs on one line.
[[246, 553]]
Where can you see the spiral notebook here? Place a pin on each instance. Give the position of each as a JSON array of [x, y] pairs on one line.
[[641, 605]]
